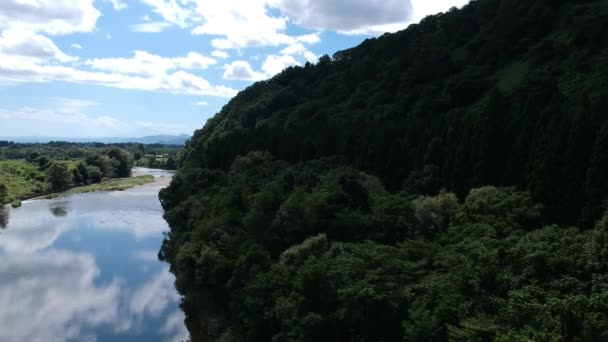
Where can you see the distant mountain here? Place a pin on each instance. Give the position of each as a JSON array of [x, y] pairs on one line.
[[153, 139], [161, 139]]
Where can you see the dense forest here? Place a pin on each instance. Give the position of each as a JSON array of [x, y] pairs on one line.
[[446, 182]]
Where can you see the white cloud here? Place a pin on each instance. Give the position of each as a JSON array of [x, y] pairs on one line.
[[118, 5], [347, 15], [175, 327], [300, 50], [76, 46], [70, 116], [220, 54], [274, 64], [31, 46], [49, 16], [311, 57], [423, 8], [171, 11], [144, 63], [241, 24], [55, 292], [154, 297], [179, 82], [232, 24], [241, 70], [312, 38], [294, 49], [202, 104], [150, 27]]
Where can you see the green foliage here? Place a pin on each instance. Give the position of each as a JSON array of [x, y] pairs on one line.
[[60, 176], [421, 186], [21, 179]]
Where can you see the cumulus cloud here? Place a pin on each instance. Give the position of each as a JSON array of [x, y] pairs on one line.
[[144, 63], [118, 5], [423, 8], [241, 70], [31, 46], [233, 24], [150, 27], [347, 15], [171, 11], [274, 64], [144, 71], [220, 54], [60, 115], [202, 104], [312, 38], [241, 24], [49, 16], [300, 50], [76, 46]]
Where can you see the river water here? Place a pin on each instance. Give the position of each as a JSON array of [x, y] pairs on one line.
[[85, 268]]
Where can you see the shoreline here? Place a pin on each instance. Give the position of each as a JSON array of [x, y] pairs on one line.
[[113, 184]]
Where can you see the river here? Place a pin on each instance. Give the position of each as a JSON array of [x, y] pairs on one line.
[[84, 268]]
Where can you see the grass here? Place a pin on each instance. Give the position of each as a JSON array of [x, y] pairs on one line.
[[24, 180], [109, 185], [21, 178]]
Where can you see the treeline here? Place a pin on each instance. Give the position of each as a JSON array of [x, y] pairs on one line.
[[105, 164], [59, 150], [40, 175], [447, 182]]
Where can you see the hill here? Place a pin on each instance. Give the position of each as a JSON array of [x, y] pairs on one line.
[[419, 186]]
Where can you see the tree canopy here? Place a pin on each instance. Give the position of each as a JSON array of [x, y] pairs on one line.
[[446, 182]]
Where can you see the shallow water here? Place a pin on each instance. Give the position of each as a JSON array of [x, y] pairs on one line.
[[85, 268]]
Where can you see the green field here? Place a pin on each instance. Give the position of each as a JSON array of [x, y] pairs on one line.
[[21, 179]]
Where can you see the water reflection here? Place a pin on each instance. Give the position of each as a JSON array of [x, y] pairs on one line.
[[84, 268], [4, 215], [59, 209]]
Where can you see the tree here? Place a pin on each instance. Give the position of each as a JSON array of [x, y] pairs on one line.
[[83, 174], [59, 176], [43, 162], [94, 173], [171, 164], [124, 162]]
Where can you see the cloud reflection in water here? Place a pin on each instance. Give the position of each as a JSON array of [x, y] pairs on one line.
[[54, 286]]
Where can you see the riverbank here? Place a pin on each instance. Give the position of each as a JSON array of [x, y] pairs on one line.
[[108, 185]]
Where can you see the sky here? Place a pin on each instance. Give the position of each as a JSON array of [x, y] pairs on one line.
[[132, 68]]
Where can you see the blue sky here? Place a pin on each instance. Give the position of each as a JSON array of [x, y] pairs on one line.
[[101, 68]]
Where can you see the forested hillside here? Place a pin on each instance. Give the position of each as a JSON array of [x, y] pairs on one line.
[[421, 186]]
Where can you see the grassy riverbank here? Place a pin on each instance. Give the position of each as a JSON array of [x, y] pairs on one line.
[[109, 185], [22, 179]]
